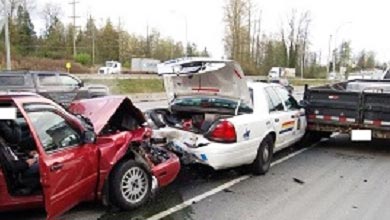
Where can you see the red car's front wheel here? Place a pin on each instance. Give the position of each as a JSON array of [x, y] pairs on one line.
[[131, 185]]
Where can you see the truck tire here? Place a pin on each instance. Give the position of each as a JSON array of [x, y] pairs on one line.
[[264, 155], [131, 185]]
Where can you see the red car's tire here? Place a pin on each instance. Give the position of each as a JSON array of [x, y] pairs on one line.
[[131, 185]]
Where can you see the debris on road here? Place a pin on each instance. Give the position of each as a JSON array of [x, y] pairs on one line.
[[228, 191], [298, 181]]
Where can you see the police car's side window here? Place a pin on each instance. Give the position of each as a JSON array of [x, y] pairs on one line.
[[274, 101], [289, 101]]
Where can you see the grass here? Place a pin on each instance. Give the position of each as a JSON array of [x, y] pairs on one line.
[[127, 86]]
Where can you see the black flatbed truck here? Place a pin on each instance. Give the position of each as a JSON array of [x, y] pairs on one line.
[[357, 107]]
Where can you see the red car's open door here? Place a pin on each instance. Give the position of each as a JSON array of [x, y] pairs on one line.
[[68, 178], [68, 167]]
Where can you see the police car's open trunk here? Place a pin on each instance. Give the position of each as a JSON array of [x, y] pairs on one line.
[[201, 91]]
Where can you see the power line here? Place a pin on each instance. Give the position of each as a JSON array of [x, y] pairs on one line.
[[74, 17]]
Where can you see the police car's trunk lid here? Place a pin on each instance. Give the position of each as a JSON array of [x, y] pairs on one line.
[[205, 78]]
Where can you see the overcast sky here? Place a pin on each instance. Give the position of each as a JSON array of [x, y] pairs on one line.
[[364, 23]]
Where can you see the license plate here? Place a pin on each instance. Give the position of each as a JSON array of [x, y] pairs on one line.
[[361, 135]]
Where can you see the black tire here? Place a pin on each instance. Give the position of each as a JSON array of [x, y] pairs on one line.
[[133, 176], [264, 155]]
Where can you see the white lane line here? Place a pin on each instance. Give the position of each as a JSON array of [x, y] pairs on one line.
[[218, 189], [197, 198]]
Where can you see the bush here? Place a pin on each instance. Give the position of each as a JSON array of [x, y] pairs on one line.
[[83, 58]]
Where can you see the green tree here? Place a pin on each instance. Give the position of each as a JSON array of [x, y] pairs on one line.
[[205, 53], [178, 50], [345, 54], [24, 34], [68, 34], [236, 15], [192, 50], [361, 60], [269, 56], [54, 40], [86, 38], [370, 63], [164, 49], [107, 43]]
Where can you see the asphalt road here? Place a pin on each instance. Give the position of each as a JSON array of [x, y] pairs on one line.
[[335, 179]]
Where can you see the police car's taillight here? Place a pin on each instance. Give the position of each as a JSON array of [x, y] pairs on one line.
[[223, 131]]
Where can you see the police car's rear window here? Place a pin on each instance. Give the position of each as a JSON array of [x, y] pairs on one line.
[[11, 80]]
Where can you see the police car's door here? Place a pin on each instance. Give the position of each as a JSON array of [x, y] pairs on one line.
[[295, 116], [280, 120]]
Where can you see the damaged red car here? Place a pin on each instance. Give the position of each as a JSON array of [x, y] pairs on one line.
[[97, 149]]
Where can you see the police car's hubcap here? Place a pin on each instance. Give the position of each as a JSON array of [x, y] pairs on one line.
[[266, 153]]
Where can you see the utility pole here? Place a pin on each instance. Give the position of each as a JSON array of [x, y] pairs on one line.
[[334, 59], [329, 56], [186, 30], [93, 38], [93, 46], [148, 48], [6, 32], [120, 40], [319, 56], [74, 17]]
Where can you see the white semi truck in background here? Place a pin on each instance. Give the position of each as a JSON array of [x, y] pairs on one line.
[[281, 72], [144, 65], [111, 67]]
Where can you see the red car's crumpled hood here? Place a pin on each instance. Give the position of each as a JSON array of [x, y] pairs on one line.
[[101, 110]]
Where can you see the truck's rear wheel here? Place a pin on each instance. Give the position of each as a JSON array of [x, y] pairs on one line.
[[130, 185], [263, 159]]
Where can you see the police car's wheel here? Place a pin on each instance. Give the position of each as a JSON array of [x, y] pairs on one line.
[[131, 185], [263, 159]]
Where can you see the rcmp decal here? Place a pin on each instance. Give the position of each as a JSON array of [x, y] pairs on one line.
[[247, 134], [287, 127]]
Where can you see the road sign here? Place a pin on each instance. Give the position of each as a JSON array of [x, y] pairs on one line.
[[68, 66]]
